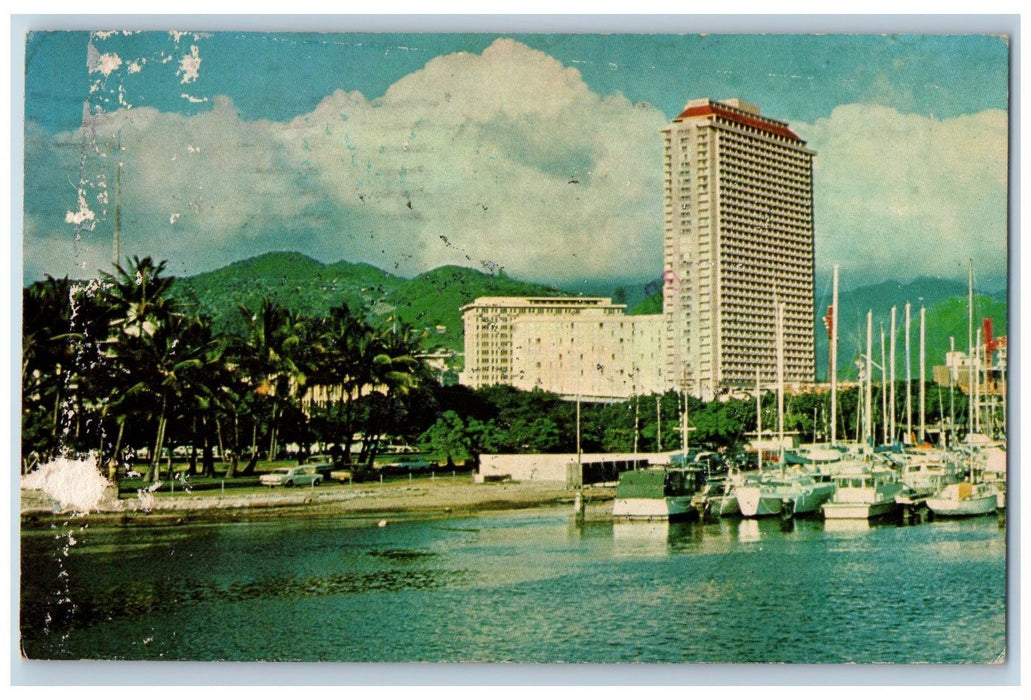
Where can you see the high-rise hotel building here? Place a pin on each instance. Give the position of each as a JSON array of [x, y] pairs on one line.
[[738, 243], [738, 246]]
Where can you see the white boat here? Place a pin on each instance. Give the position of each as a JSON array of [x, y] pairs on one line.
[[656, 494], [964, 498], [863, 493], [783, 493], [927, 474], [988, 459]]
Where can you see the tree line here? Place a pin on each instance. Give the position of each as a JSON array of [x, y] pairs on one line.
[[119, 365]]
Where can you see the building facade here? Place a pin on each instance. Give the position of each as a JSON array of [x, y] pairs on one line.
[[739, 243], [583, 347], [591, 357]]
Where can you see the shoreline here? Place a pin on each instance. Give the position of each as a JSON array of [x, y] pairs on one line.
[[398, 500]]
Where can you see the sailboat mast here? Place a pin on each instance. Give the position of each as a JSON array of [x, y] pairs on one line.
[[780, 380], [923, 339], [970, 346], [834, 359], [952, 386], [892, 401], [909, 382], [977, 383], [868, 400], [884, 386]]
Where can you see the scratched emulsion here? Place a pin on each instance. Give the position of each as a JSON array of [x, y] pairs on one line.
[[70, 483]]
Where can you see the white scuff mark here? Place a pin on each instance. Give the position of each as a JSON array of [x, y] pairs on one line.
[[137, 66], [192, 149], [173, 218], [74, 483], [105, 63], [83, 215], [146, 496], [189, 66], [191, 98]]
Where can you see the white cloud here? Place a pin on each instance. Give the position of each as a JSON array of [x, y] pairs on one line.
[[503, 160], [506, 155], [905, 195]]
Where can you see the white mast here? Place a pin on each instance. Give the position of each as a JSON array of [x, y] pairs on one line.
[[952, 398], [977, 383], [971, 374], [868, 395], [909, 380], [834, 359], [923, 338], [884, 387], [892, 398], [780, 380]]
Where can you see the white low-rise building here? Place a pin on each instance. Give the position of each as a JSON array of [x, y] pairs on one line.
[[584, 347]]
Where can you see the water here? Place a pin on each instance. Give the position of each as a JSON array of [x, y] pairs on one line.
[[528, 586]]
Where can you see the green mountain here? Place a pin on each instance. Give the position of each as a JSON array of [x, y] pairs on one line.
[[434, 299], [430, 302], [292, 279]]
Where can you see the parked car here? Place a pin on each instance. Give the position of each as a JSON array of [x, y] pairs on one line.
[[291, 476]]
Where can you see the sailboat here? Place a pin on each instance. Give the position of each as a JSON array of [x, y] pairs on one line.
[[964, 498], [784, 492]]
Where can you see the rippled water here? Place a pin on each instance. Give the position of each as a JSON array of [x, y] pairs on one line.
[[528, 586]]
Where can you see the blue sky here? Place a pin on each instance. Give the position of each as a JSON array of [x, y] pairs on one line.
[[536, 153]]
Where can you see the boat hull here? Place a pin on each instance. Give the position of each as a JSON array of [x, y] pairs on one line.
[[857, 511], [666, 508], [754, 504], [872, 497], [787, 501], [724, 506], [963, 500], [948, 508]]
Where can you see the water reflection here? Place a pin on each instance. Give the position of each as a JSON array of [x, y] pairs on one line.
[[640, 539], [659, 538], [755, 529], [847, 525]]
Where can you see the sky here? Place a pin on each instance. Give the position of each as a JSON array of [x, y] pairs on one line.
[[538, 155]]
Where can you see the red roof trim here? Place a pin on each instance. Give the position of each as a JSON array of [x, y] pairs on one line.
[[769, 126]]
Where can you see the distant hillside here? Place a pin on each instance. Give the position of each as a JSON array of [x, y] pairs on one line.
[[434, 299], [294, 280], [430, 302], [945, 302]]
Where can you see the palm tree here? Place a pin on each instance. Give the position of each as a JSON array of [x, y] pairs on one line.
[[345, 348], [396, 372], [275, 338], [143, 344]]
